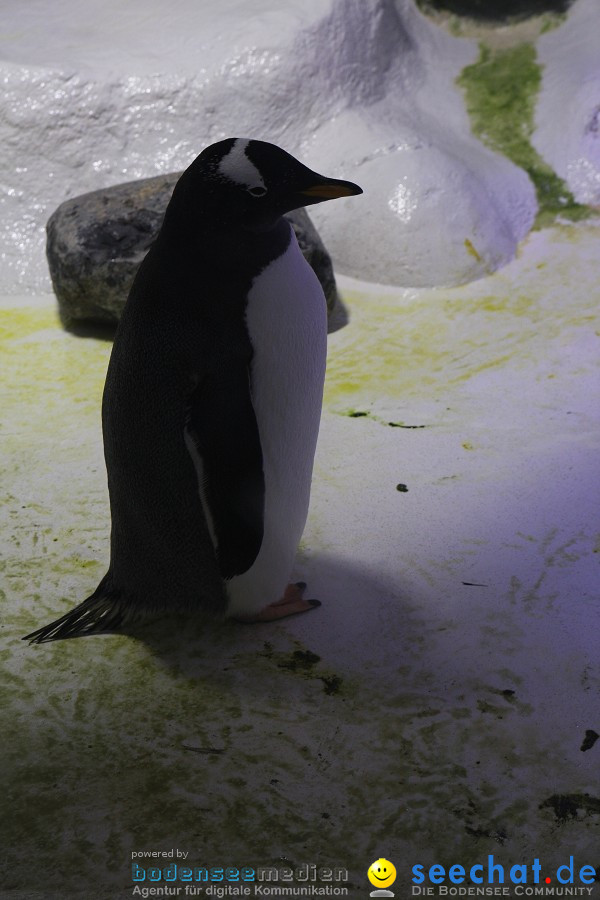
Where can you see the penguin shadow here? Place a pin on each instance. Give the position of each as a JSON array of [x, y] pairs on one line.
[[99, 329], [102, 330], [364, 611], [360, 610], [339, 315]]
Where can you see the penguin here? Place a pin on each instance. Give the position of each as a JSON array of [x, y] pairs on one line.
[[212, 401]]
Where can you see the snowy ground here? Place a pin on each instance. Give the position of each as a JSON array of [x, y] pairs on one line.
[[435, 707]]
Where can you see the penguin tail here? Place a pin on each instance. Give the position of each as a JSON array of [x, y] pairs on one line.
[[99, 614]]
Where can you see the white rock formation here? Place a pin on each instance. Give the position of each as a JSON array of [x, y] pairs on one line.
[[103, 92], [568, 110]]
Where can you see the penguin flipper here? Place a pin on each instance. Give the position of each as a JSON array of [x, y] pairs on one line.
[[101, 613], [226, 451]]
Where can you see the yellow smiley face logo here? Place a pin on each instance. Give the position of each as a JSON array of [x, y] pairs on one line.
[[382, 873]]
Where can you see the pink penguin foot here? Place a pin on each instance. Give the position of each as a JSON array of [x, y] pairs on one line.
[[290, 604]]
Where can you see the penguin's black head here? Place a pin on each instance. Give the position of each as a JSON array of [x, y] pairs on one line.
[[250, 184]]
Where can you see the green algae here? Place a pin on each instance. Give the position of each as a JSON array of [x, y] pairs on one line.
[[300, 660], [501, 89], [437, 340], [303, 662], [551, 21], [112, 750]]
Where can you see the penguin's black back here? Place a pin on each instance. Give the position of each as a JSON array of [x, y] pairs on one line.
[[181, 350]]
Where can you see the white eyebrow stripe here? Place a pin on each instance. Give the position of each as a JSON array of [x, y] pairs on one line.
[[237, 167]]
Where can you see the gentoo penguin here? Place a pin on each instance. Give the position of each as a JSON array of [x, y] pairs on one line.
[[212, 400]]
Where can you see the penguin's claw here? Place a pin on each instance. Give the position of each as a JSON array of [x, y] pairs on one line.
[[290, 604]]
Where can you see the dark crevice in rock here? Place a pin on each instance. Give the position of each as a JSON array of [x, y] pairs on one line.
[[497, 10]]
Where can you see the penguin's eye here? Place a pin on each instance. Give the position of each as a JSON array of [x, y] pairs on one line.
[[257, 191]]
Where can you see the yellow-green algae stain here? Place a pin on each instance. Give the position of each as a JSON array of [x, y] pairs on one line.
[[501, 90], [55, 513], [198, 739], [551, 21], [422, 345], [305, 664], [470, 248]]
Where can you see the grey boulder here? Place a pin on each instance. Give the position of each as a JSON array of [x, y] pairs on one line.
[[96, 242]]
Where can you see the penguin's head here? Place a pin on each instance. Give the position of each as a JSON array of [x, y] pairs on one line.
[[252, 184]]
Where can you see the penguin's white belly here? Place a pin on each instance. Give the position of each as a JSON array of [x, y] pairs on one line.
[[286, 317]]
